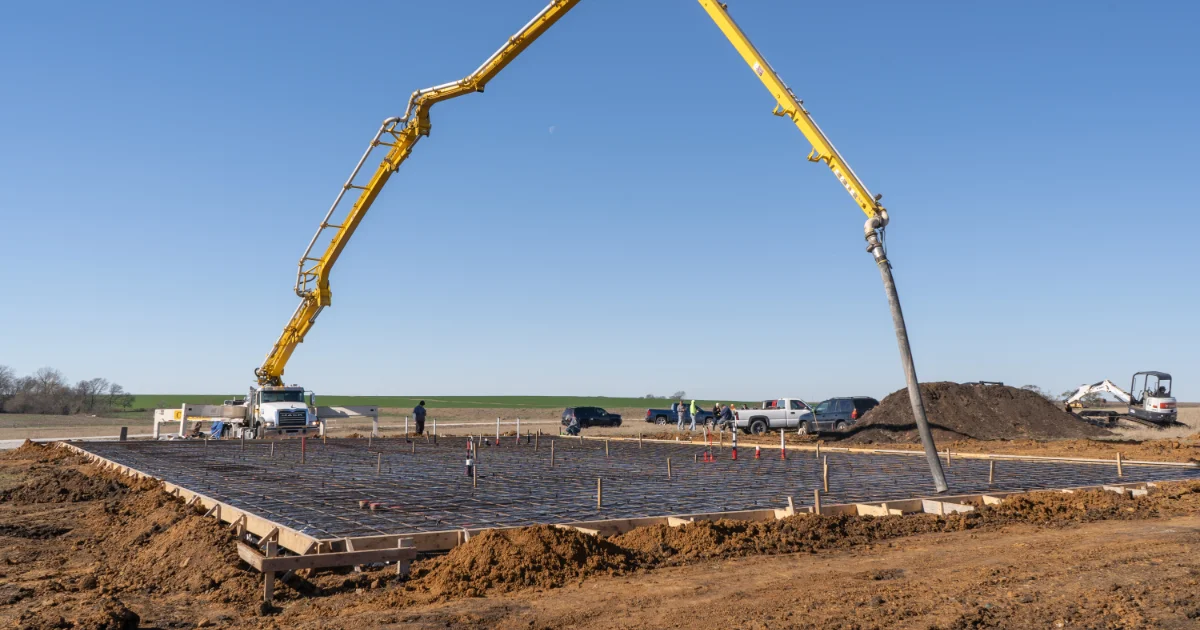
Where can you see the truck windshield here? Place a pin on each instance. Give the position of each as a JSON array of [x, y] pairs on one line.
[[286, 396]]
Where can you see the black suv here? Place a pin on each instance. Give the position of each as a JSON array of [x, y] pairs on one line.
[[839, 413], [590, 417]]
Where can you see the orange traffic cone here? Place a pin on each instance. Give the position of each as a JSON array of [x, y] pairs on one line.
[[757, 452]]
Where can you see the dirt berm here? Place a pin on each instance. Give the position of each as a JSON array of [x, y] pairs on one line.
[[982, 412]]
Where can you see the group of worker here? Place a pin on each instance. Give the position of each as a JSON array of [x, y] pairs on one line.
[[722, 414]]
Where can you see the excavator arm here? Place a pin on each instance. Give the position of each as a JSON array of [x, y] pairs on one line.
[[1103, 387], [398, 136]]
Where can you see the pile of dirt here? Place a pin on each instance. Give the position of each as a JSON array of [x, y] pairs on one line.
[[964, 411], [664, 545], [509, 559], [62, 485], [108, 614]]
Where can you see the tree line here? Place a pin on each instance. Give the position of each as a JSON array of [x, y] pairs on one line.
[[47, 391]]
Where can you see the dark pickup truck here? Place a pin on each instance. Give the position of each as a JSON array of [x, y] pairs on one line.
[[666, 416], [590, 417]]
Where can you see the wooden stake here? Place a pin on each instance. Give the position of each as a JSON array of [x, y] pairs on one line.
[[947, 457], [639, 440], [414, 447], [272, 449], [668, 468], [369, 438], [695, 458], [303, 448], [606, 447], [991, 471], [825, 472], [818, 450], [475, 475], [817, 500], [791, 505], [269, 576], [599, 492], [552, 453], [535, 440], [378, 463], [1120, 473]]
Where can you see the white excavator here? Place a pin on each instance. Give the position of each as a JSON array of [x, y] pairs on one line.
[[1149, 404]]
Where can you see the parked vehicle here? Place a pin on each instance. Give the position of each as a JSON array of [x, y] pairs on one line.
[[777, 413], [666, 416], [840, 413], [590, 417]]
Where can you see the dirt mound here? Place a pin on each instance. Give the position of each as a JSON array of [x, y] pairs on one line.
[[37, 452], [65, 485], [981, 412], [511, 559], [152, 543], [664, 545]]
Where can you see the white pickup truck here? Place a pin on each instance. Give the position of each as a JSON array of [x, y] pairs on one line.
[[777, 413]]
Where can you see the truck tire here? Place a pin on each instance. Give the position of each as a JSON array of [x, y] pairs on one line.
[[758, 426], [840, 426], [660, 420]]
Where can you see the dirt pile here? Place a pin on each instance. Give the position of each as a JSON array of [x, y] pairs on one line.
[[664, 545], [511, 559], [65, 485], [109, 547], [981, 412]]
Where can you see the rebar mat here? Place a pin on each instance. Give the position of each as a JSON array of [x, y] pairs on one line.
[[424, 486]]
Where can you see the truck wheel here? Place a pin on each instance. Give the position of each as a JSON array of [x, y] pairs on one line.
[[841, 426], [660, 420], [758, 427]]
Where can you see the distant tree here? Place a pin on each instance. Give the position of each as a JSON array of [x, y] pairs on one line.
[[118, 398], [8, 384], [649, 396], [90, 393], [1039, 391], [679, 394]]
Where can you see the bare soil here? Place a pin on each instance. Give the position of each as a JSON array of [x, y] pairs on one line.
[[981, 412], [111, 553]]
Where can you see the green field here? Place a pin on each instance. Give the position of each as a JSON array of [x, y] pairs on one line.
[[164, 401]]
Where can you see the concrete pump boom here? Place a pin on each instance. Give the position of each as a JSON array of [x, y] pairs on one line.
[[312, 279]]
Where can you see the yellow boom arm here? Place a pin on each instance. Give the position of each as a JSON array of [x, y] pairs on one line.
[[400, 134], [312, 279], [791, 107]]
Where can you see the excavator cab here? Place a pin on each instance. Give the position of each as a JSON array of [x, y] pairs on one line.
[[1150, 397], [1150, 385]]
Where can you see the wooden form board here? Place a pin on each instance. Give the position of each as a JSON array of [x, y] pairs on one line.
[[303, 544], [261, 562]]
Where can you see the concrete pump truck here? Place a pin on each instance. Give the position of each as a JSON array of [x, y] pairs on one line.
[[275, 407]]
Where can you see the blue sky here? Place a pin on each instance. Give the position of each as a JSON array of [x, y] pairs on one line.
[[619, 214]]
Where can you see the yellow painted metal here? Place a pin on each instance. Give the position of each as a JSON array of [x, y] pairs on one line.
[[793, 108], [409, 129], [415, 125]]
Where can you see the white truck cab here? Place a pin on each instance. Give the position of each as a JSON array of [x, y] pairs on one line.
[[776, 413], [281, 411]]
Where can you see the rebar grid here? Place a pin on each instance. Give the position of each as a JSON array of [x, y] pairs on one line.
[[423, 486]]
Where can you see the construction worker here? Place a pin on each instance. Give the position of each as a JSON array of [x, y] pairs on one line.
[[419, 417], [695, 408], [681, 411]]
